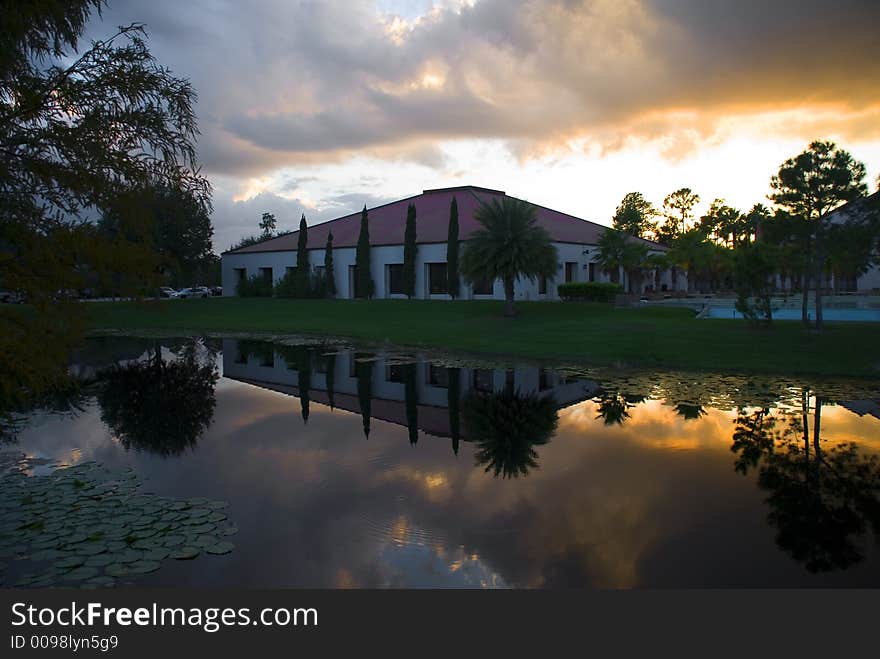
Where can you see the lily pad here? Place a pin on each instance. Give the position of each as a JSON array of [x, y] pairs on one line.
[[70, 562], [81, 573], [185, 553], [116, 570], [221, 548], [143, 567], [91, 548]]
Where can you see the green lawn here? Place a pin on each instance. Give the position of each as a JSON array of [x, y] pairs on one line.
[[572, 332]]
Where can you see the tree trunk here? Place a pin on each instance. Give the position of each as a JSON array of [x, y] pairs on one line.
[[805, 301], [508, 297], [820, 275]]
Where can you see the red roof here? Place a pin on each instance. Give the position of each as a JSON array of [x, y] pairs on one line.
[[387, 223]]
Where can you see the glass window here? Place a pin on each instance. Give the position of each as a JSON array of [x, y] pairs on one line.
[[483, 287], [394, 373], [570, 271], [592, 272], [266, 273], [240, 274], [542, 285], [395, 279], [438, 376], [437, 283], [484, 380]]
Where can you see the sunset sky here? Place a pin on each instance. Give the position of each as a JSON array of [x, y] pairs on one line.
[[320, 107]]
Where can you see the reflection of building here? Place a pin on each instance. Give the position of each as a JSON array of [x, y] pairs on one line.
[[267, 368], [576, 242], [862, 407]]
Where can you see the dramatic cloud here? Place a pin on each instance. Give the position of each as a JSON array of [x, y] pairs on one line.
[[298, 85]]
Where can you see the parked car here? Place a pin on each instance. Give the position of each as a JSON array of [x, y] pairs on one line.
[[195, 291], [167, 291], [217, 290], [11, 297]]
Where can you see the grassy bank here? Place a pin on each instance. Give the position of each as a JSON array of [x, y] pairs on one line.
[[573, 332]]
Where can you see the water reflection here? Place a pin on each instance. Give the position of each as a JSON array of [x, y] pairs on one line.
[[822, 500], [160, 404], [482, 474]]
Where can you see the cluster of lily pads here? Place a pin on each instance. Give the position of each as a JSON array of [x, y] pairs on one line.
[[89, 526]]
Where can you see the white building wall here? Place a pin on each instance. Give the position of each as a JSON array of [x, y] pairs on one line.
[[380, 256]]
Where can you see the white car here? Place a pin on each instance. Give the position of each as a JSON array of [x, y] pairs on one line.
[[167, 291], [196, 291]]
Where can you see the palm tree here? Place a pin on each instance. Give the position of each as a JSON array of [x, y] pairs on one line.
[[618, 250], [509, 244]]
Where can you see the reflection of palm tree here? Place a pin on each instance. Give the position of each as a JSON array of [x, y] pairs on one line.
[[506, 427], [364, 373], [158, 406], [614, 406], [689, 411], [822, 501], [412, 402], [453, 399]]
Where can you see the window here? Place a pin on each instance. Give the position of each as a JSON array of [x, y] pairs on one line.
[[266, 273], [321, 363], [484, 380], [615, 275], [319, 272], [592, 272], [268, 359], [438, 376], [542, 285], [395, 278], [290, 271], [394, 373], [544, 380], [570, 271], [240, 274], [484, 287], [437, 283]]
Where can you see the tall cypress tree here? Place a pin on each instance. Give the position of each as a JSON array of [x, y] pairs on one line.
[[364, 282], [328, 266], [304, 365], [410, 249], [331, 378], [302, 259], [452, 251]]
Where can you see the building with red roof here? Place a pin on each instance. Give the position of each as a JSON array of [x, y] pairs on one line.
[[575, 239]]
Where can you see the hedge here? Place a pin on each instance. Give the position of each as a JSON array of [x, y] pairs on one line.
[[255, 286], [589, 291]]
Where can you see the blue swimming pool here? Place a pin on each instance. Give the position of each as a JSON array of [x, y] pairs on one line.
[[830, 314]]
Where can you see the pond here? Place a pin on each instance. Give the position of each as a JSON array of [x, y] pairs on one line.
[[235, 462]]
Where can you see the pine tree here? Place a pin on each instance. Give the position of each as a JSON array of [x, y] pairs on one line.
[[364, 282], [410, 249], [328, 266], [302, 259], [452, 251]]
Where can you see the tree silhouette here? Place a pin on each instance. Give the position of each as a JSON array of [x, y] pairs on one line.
[[412, 402], [614, 406], [159, 406], [822, 501], [506, 426], [331, 378], [453, 398]]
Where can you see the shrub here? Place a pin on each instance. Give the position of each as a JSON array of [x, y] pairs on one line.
[[589, 291], [290, 285], [255, 286]]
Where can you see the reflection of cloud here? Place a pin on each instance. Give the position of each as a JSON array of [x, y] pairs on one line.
[[613, 507]]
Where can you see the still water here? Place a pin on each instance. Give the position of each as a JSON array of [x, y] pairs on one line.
[[276, 465]]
